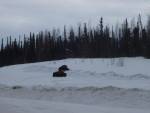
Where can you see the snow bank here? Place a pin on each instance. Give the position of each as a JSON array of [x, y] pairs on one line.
[[118, 72]]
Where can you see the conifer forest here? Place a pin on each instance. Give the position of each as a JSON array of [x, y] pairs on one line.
[[126, 40]]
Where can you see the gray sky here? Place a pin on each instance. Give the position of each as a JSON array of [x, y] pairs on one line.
[[22, 16]]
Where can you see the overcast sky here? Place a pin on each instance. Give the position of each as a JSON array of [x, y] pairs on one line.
[[22, 16]]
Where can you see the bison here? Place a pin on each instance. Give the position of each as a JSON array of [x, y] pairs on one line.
[[61, 71]]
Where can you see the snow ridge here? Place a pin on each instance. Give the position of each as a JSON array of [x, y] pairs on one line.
[[115, 75], [109, 95]]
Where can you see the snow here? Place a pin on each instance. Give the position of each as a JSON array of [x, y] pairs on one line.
[[35, 106], [117, 85]]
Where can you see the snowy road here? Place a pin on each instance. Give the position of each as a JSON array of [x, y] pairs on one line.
[[8, 105]]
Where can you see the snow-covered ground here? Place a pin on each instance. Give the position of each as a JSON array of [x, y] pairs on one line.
[[117, 85]]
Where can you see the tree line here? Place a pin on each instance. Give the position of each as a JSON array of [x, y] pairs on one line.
[[126, 40]]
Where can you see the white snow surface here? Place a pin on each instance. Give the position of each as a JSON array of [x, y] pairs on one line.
[[116, 85]]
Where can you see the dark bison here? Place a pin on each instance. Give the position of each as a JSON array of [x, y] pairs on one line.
[[60, 72]]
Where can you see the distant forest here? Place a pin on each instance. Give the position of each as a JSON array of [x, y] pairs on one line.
[[126, 40]]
